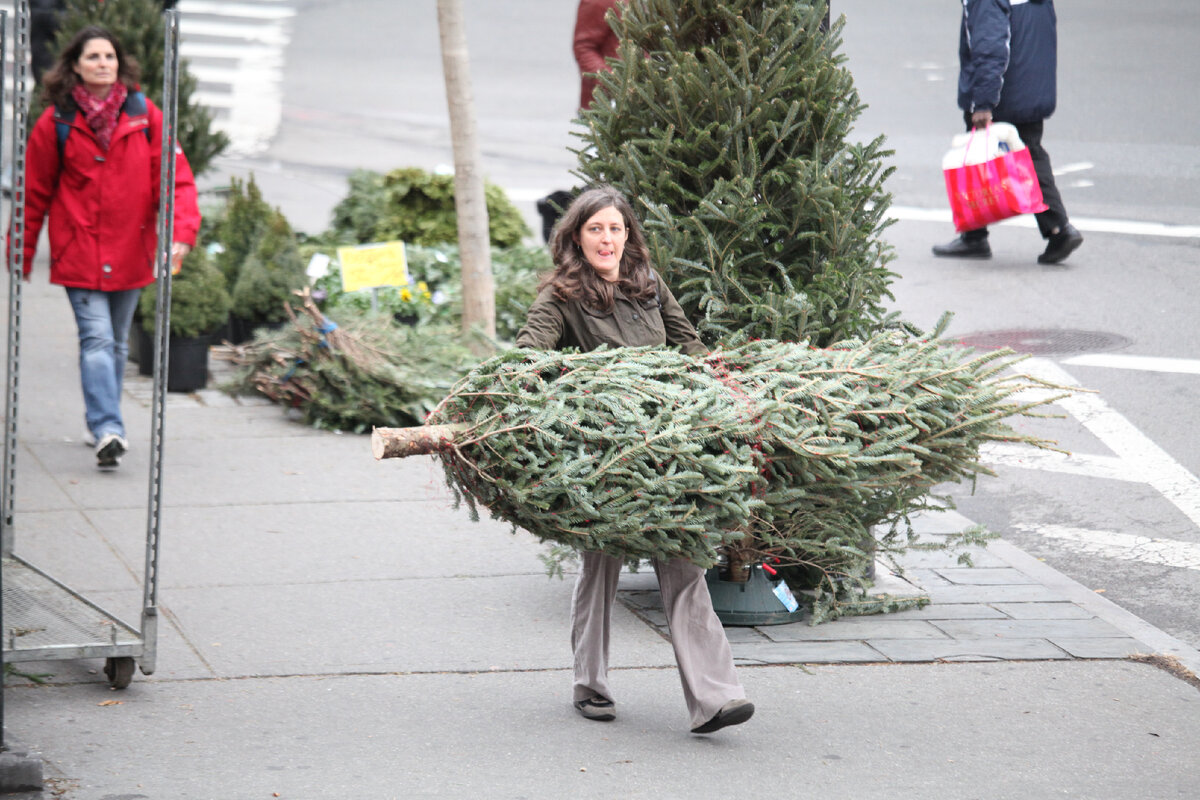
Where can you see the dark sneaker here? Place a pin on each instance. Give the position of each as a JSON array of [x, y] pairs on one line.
[[597, 708], [964, 248], [109, 450], [735, 712], [1061, 245]]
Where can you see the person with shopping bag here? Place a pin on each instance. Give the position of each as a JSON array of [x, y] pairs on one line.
[[1007, 73], [990, 177]]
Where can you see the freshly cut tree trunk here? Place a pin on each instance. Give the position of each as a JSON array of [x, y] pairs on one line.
[[403, 442]]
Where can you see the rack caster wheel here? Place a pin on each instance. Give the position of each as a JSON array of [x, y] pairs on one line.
[[119, 671]]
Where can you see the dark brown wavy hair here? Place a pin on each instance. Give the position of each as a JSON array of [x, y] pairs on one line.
[[60, 80], [574, 278]]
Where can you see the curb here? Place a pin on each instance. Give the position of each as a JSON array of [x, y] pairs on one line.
[[20, 772]]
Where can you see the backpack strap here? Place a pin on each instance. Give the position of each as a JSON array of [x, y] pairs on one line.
[[134, 106], [62, 127], [654, 277]]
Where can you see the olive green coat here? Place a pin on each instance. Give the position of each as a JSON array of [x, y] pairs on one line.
[[555, 325]]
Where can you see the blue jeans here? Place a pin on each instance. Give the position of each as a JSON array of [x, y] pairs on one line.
[[103, 320]]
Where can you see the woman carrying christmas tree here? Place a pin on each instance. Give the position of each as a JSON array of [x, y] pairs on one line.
[[604, 292], [93, 166]]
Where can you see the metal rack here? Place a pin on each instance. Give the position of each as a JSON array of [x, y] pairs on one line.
[[41, 618]]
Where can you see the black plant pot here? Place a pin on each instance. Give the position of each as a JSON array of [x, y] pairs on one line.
[[187, 367], [134, 342], [242, 330], [145, 350], [224, 333]]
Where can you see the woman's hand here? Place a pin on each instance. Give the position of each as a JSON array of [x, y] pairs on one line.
[[179, 251]]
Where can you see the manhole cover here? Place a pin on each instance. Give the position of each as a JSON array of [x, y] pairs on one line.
[[1046, 342]]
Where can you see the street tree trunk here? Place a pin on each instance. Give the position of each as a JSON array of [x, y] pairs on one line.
[[478, 295]]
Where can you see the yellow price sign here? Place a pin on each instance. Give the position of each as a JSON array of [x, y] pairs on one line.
[[369, 266]]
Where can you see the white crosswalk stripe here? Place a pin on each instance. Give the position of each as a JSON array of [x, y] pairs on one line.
[[235, 49], [1122, 546]]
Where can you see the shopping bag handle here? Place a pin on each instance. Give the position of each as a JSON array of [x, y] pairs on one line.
[[986, 132]]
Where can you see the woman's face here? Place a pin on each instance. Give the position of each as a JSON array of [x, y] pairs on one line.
[[97, 65], [602, 240]]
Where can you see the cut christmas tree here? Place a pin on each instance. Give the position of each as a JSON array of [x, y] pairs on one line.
[[352, 373], [646, 453]]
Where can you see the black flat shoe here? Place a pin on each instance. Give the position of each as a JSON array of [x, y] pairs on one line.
[[1061, 245], [597, 708], [735, 712], [964, 248]]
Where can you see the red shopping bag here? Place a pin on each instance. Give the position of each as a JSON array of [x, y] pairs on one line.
[[1001, 187]]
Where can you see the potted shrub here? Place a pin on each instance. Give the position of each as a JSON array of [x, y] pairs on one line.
[[238, 226], [268, 277], [199, 305], [417, 207]]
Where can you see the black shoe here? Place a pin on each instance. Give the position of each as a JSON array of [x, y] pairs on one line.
[[964, 248], [1061, 245], [597, 708], [109, 451], [735, 712]]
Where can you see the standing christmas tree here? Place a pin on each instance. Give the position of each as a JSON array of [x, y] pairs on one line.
[[730, 122]]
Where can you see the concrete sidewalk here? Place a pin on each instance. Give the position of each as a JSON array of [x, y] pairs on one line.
[[333, 628]]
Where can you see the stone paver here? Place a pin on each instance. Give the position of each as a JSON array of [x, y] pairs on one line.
[[832, 652], [984, 576], [1063, 610], [862, 628], [1027, 629], [1115, 647], [968, 649]]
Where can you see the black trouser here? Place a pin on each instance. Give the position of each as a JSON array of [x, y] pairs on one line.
[[1055, 216]]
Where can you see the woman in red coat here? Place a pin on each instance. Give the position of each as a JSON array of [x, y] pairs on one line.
[[93, 164]]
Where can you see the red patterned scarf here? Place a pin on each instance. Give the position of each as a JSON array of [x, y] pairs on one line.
[[101, 114]]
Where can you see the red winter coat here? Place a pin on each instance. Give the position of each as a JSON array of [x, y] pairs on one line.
[[594, 42], [103, 205]]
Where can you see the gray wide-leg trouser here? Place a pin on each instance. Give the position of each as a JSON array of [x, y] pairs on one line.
[[701, 649]]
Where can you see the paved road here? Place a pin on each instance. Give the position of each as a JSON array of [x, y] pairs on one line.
[[362, 87]]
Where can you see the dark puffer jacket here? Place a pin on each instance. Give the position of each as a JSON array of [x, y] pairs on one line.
[[1008, 55]]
